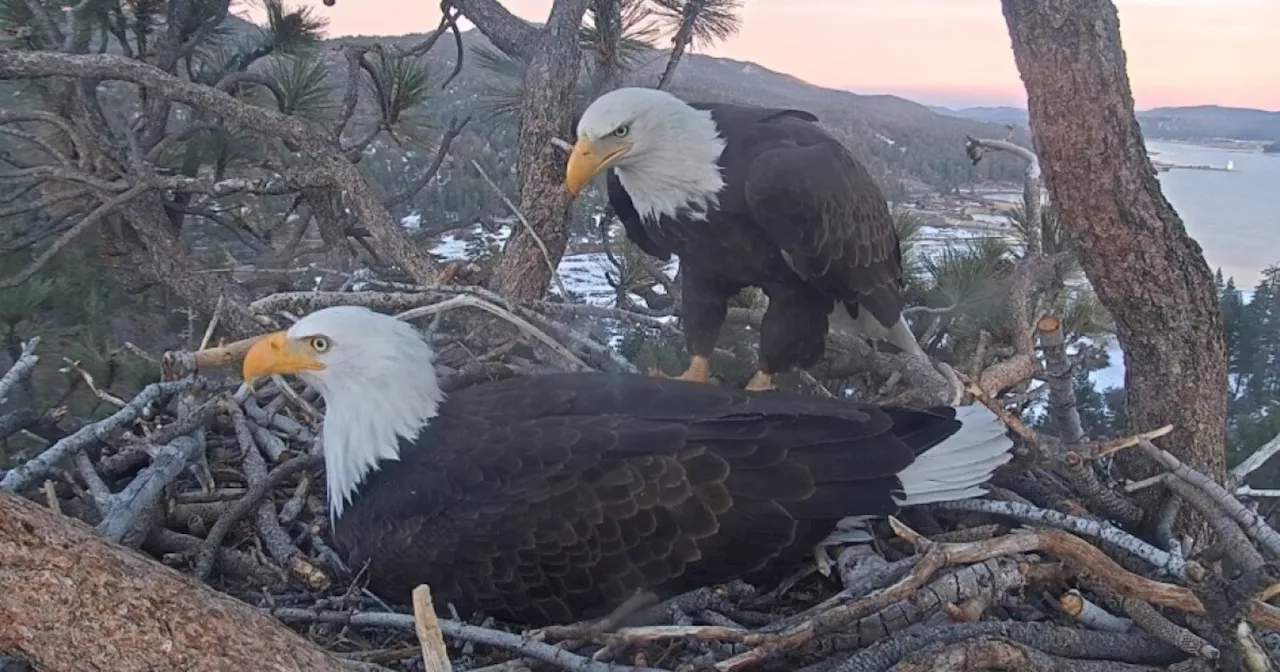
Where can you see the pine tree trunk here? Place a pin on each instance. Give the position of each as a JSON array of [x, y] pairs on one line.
[[550, 83], [1146, 270], [71, 601]]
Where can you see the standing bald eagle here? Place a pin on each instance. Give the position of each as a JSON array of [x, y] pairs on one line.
[[749, 196], [551, 498]]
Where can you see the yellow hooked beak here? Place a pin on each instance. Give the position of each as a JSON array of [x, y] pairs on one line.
[[587, 160], [277, 353]]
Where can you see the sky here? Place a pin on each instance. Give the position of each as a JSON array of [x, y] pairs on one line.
[[950, 52]]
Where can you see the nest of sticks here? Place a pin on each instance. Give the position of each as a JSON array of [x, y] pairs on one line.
[[1060, 567]]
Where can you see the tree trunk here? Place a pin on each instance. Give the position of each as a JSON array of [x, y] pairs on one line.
[[680, 43], [1146, 270], [72, 601], [550, 82]]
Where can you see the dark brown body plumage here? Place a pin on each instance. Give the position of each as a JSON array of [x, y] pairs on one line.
[[799, 217], [553, 498]]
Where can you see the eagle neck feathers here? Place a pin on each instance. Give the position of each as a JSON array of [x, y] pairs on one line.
[[681, 175], [368, 424]]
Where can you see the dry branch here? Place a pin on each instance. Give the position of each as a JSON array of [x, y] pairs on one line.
[[435, 658], [21, 368], [1254, 525], [327, 166], [24, 475]]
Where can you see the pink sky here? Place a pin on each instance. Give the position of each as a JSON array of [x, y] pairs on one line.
[[951, 52]]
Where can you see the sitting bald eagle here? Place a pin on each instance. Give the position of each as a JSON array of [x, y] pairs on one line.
[[552, 498], [749, 196]]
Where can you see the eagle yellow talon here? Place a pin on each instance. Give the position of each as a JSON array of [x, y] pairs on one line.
[[761, 382], [699, 370]]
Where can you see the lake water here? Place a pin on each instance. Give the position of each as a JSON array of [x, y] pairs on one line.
[[1235, 216]]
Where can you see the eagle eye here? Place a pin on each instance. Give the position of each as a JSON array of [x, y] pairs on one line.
[[621, 131], [319, 343]]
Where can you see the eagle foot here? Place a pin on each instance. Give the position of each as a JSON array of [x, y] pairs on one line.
[[761, 382], [699, 371]]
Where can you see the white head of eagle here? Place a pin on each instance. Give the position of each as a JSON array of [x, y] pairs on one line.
[[356, 359], [664, 151]]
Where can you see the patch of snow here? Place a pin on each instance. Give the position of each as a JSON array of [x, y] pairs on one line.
[[886, 140], [583, 276], [412, 221], [460, 245]]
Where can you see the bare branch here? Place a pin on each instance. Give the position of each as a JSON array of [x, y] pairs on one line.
[[327, 165], [546, 254], [1254, 525], [21, 368], [405, 622], [93, 218], [1252, 463], [514, 36], [42, 464], [421, 181]]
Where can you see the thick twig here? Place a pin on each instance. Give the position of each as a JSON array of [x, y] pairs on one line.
[[1076, 605], [1060, 376], [1254, 525], [21, 368], [204, 559], [1237, 475], [42, 464], [128, 520], [1052, 639], [1110, 503], [435, 658], [470, 633], [1175, 565], [991, 653]]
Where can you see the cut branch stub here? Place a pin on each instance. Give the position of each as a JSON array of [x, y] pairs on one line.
[[1049, 323], [177, 364]]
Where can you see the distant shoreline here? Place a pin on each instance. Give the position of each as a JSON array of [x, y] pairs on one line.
[[1227, 144]]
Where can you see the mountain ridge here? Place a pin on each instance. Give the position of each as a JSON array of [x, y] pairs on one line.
[[1181, 122]]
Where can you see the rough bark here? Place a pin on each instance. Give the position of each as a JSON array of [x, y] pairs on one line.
[[552, 58], [70, 600], [1133, 246]]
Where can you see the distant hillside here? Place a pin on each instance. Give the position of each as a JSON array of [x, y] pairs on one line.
[[993, 115], [1200, 122], [1211, 121], [901, 141]]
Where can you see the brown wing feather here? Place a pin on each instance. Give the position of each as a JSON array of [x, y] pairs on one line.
[[824, 209], [552, 498]]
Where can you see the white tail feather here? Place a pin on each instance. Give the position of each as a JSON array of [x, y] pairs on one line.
[[955, 468]]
